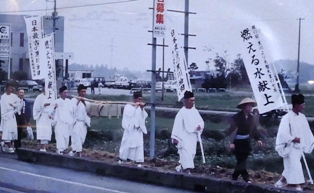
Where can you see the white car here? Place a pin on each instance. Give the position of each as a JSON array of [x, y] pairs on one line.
[[83, 81], [158, 86], [170, 86]]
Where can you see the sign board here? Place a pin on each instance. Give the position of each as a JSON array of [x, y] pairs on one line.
[[4, 50], [4, 31], [180, 66], [261, 72], [159, 26], [34, 33]]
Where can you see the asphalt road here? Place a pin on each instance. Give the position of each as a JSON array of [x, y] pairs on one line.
[[17, 177]]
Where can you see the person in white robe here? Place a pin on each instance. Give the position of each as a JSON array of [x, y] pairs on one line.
[[133, 123], [294, 138], [9, 106], [43, 114], [62, 121], [81, 121], [188, 124]]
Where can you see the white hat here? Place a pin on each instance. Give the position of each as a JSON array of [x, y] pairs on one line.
[[245, 101]]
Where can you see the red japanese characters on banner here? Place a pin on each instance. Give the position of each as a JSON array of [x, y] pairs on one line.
[[159, 28]]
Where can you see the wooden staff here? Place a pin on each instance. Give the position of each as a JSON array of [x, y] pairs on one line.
[[119, 102], [108, 102]]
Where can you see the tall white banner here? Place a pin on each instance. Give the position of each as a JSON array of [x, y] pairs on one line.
[[180, 67], [159, 25], [47, 60], [261, 72], [34, 31]]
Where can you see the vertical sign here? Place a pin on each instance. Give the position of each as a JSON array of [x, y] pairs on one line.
[[5, 31], [34, 34], [265, 84], [159, 26], [48, 66], [180, 67]]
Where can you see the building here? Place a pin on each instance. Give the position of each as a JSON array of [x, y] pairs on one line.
[[79, 74], [18, 59]]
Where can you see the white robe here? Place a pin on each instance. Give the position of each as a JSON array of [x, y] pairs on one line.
[[63, 122], [184, 131], [80, 123], [42, 115], [292, 152], [8, 124], [133, 123]]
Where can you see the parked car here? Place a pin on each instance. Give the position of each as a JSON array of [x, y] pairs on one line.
[[83, 81], [158, 86], [30, 85], [170, 86], [139, 84]]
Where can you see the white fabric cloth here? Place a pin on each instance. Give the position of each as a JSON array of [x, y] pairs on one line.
[[43, 117], [63, 121], [133, 123], [292, 152], [80, 123], [184, 131], [8, 124]]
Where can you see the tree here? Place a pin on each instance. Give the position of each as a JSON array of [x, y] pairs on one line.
[[240, 67], [192, 68], [19, 75], [221, 66]]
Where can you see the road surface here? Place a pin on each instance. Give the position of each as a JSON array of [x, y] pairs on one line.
[[17, 176]]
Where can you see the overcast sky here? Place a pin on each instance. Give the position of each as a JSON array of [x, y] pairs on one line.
[[117, 34]]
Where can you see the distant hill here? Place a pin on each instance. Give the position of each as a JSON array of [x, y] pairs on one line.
[[290, 70]]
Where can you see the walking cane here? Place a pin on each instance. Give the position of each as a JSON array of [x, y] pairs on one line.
[[307, 168], [201, 145]]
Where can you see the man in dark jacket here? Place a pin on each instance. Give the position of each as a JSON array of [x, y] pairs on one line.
[[22, 118], [244, 126]]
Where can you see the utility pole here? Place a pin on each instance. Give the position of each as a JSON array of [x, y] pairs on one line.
[[54, 17], [153, 70], [297, 89]]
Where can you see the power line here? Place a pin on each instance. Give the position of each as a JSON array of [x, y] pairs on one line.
[[71, 7]]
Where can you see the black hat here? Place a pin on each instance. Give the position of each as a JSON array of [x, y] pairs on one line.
[[137, 94], [188, 94], [80, 87], [297, 99], [63, 88]]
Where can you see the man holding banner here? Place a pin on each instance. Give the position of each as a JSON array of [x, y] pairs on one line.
[[188, 122], [133, 124], [63, 121], [81, 121], [293, 138], [43, 115]]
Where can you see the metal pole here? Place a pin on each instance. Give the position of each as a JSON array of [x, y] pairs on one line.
[[297, 89], [186, 31], [152, 98], [163, 69]]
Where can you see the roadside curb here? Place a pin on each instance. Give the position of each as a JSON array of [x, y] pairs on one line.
[[144, 175]]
